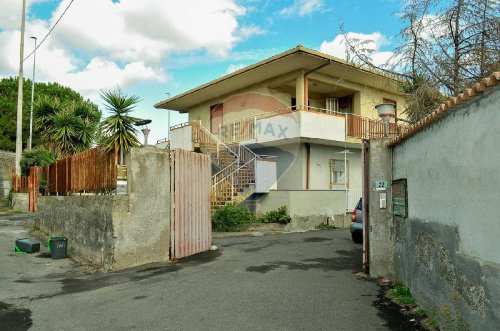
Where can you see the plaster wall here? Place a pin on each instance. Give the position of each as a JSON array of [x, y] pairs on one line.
[[320, 167], [252, 100], [447, 248]]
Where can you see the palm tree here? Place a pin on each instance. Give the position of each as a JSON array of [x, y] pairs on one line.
[[44, 112], [67, 128], [119, 126]]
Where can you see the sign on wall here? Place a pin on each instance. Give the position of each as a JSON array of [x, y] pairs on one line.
[[399, 198]]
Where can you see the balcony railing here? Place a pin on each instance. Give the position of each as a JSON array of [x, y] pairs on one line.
[[357, 126]]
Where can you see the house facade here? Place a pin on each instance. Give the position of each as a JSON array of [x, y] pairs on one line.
[[287, 131]]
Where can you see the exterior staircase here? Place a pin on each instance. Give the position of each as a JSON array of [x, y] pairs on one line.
[[233, 178]]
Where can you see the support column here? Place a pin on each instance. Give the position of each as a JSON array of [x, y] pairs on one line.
[[381, 222], [299, 90]]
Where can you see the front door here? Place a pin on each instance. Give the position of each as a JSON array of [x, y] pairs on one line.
[[216, 112]]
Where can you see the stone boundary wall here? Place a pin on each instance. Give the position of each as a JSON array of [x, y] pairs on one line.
[[447, 249], [7, 167], [117, 231]]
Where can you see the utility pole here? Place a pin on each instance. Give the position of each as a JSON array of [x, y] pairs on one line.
[[30, 141], [19, 130]]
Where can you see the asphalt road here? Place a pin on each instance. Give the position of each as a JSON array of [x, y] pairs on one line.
[[300, 281]]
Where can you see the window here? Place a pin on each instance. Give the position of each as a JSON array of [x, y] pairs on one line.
[[332, 105], [338, 174], [345, 104], [400, 198]]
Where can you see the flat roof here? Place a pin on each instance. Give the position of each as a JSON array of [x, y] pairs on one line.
[[298, 58]]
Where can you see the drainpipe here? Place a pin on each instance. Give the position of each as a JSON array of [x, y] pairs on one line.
[[306, 84], [308, 163], [366, 216]]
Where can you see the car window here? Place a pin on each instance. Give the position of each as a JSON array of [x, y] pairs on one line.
[[359, 205]]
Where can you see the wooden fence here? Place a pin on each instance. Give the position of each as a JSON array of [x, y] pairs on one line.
[[366, 128], [88, 171], [20, 184]]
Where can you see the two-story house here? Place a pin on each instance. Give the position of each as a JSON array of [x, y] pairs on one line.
[[286, 131]]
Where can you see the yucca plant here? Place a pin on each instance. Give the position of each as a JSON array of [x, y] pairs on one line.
[[66, 128], [118, 128]]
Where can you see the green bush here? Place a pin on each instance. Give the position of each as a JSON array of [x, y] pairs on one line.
[[38, 156], [276, 216], [231, 217]]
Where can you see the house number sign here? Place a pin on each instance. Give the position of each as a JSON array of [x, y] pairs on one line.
[[381, 185]]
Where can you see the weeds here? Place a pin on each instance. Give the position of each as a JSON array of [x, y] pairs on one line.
[[402, 295], [324, 226]]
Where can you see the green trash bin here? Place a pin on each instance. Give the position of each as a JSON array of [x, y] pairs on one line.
[[58, 247]]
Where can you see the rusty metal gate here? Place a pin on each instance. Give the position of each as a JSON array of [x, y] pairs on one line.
[[191, 221]]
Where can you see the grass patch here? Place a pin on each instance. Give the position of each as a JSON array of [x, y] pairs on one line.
[[420, 311], [402, 295], [324, 226], [432, 322]]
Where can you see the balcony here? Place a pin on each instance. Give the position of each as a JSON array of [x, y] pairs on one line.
[[302, 122]]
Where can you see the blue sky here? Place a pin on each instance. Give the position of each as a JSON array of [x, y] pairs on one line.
[[150, 47]]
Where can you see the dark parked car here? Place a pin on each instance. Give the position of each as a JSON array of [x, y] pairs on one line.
[[357, 223]]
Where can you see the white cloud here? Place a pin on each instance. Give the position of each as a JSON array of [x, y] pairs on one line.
[[367, 44], [248, 31], [100, 43], [234, 67], [302, 7]]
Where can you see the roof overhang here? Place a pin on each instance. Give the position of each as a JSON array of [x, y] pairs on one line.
[[298, 58]]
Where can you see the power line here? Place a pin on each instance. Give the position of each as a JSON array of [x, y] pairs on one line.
[[52, 28]]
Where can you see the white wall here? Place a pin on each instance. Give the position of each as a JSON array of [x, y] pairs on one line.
[[182, 138], [265, 175]]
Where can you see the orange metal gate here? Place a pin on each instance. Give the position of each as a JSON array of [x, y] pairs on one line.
[[191, 221]]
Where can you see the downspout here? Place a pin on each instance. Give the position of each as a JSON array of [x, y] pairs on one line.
[[306, 84], [365, 203], [308, 162]]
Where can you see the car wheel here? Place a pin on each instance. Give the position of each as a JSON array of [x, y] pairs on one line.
[[357, 238]]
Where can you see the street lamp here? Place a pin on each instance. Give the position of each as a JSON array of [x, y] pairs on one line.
[[168, 121], [386, 111], [30, 141]]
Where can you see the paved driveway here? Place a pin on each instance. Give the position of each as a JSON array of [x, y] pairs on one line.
[[302, 281]]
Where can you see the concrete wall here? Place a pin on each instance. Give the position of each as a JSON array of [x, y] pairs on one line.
[[117, 231], [7, 167], [306, 208], [20, 202], [447, 250]]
